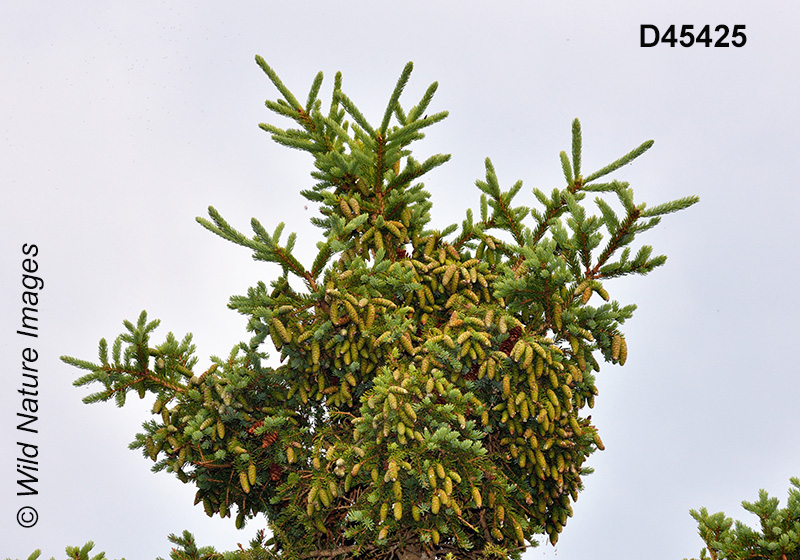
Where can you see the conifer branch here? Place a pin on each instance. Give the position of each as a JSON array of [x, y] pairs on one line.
[[415, 170], [420, 107], [398, 90], [266, 248], [504, 216], [576, 148], [290, 98], [567, 168], [669, 207], [624, 160], [353, 111], [380, 152], [620, 237], [410, 132], [313, 92]]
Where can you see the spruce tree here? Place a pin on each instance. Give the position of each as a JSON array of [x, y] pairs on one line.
[[778, 538], [432, 384]]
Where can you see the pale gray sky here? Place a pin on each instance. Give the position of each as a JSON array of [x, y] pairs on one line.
[[122, 122]]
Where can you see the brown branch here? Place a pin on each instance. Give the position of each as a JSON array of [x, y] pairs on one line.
[[309, 125], [482, 518], [147, 375], [613, 244], [379, 163], [310, 281], [211, 465], [332, 552]]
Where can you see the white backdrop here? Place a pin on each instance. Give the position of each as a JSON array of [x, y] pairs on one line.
[[119, 123]]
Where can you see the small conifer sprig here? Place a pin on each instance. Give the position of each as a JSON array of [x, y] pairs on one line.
[[432, 383], [778, 536]]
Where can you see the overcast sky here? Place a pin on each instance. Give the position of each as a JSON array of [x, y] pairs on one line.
[[121, 122]]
